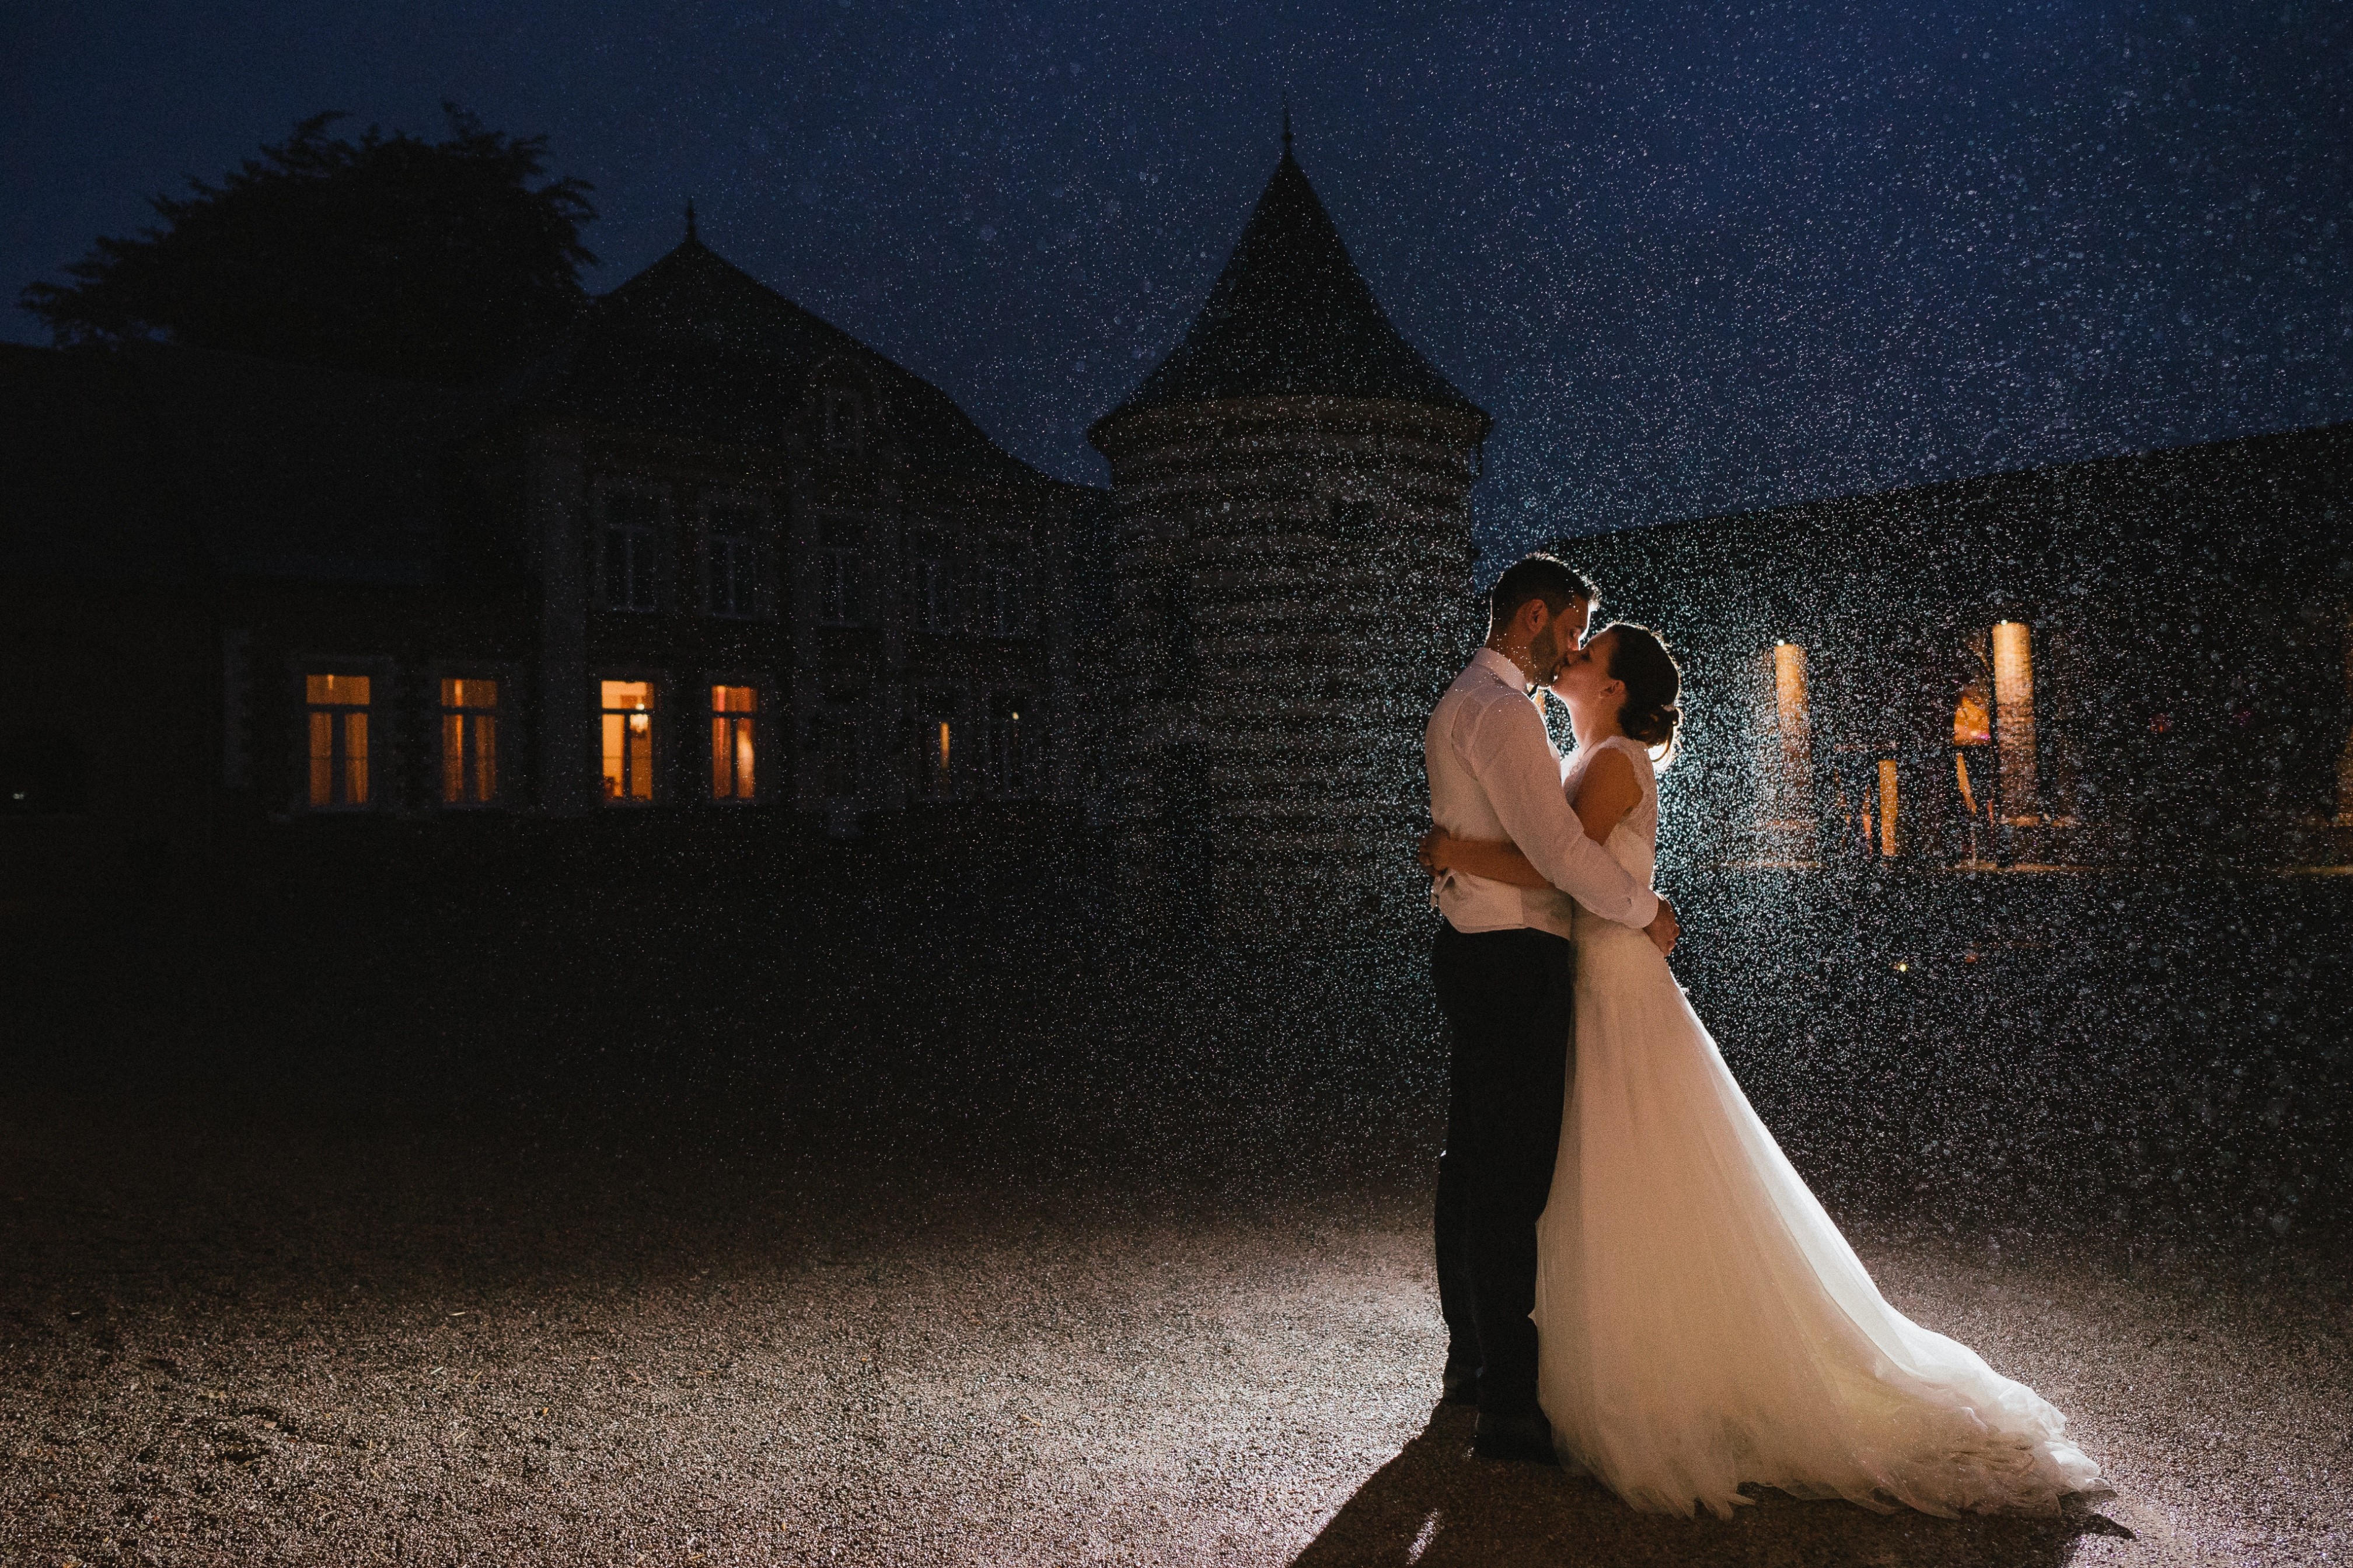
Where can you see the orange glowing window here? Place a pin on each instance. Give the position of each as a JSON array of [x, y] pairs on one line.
[[628, 741], [337, 711], [469, 742], [732, 718]]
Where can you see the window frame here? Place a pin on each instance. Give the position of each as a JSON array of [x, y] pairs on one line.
[[932, 600], [383, 757], [503, 713], [660, 533], [757, 719], [755, 545], [1008, 611], [658, 790], [851, 563]]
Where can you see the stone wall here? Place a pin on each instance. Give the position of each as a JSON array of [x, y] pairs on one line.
[[1291, 580]]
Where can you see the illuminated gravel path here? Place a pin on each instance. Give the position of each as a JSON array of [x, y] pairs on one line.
[[379, 1348]]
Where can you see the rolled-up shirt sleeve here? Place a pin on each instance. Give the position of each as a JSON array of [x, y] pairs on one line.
[[1506, 748]]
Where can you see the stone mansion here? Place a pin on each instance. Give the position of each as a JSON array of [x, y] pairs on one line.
[[712, 554]]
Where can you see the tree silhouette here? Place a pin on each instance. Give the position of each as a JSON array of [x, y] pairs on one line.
[[437, 260]]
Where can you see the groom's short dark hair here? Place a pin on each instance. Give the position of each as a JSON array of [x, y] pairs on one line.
[[1538, 577]]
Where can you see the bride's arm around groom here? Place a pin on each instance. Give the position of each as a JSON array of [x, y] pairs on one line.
[[1502, 744], [1493, 775]]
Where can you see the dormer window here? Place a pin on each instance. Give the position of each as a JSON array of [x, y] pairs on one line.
[[845, 421]]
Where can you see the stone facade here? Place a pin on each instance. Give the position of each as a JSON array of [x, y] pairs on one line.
[[710, 554]]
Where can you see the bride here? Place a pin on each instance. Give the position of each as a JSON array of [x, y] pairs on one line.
[[1702, 1323]]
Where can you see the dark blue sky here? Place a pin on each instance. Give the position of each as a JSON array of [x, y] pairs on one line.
[[1693, 257]]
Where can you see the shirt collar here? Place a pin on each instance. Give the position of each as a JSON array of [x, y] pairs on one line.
[[1501, 668]]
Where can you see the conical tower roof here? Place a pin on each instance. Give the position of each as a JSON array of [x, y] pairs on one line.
[[1290, 315]]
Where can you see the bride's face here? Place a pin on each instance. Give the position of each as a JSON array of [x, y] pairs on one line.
[[1583, 681]]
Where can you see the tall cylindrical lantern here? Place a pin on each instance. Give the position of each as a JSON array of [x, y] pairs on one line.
[[2013, 719], [1888, 806], [1785, 752], [1789, 709]]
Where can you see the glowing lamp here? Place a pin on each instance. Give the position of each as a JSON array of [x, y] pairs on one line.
[[1888, 806], [2013, 707], [1785, 748], [1789, 693]]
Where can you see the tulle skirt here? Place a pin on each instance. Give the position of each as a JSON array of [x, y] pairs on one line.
[[1705, 1325]]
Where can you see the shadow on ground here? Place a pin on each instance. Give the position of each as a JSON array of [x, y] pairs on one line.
[[745, 1200], [1438, 1506]]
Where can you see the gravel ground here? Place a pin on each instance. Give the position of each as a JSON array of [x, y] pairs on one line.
[[230, 1337]]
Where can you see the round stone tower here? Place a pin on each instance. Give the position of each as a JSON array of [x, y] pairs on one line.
[[1291, 548]]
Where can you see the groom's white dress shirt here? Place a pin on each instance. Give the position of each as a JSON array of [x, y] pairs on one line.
[[1493, 775]]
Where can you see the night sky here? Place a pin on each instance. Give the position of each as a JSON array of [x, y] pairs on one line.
[[1694, 258]]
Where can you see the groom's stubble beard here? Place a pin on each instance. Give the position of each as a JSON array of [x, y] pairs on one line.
[[1545, 652]]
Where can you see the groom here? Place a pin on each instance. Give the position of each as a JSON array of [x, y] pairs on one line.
[[1506, 978]]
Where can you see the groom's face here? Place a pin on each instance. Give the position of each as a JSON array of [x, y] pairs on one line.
[[1556, 640]]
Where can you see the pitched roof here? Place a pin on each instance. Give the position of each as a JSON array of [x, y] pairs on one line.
[[695, 344], [1291, 316]]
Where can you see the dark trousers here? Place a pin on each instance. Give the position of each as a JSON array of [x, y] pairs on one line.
[[1509, 999]]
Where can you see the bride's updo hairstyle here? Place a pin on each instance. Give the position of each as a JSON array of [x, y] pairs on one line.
[[1653, 681]]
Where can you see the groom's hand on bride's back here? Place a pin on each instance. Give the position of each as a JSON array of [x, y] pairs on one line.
[[1663, 930]]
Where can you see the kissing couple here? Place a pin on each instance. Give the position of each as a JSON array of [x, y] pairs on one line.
[[1635, 1281]]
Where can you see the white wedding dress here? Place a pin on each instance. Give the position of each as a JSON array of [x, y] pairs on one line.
[[1703, 1324]]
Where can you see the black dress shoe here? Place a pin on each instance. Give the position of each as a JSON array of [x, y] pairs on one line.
[[1460, 1385], [1525, 1438]]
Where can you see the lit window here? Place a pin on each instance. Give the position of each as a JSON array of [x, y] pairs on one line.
[[731, 576], [338, 706], [628, 751], [629, 551], [469, 742], [732, 742]]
